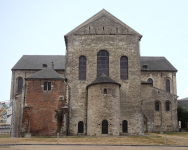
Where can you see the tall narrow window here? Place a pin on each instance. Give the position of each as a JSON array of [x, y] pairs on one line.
[[20, 84], [105, 91], [167, 106], [80, 127], [102, 63], [47, 86], [157, 106], [124, 68], [168, 85], [124, 126], [150, 81], [82, 68]]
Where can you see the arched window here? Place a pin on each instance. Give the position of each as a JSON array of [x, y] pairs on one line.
[[167, 106], [102, 63], [20, 84], [82, 68], [124, 68], [104, 127], [150, 81], [80, 127], [168, 85], [124, 126], [157, 106]]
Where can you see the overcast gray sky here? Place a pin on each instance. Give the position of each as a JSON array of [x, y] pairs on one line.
[[37, 27]]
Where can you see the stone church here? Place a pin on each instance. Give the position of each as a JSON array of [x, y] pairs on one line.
[[102, 86]]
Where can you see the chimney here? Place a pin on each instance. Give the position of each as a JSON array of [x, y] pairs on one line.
[[52, 65]]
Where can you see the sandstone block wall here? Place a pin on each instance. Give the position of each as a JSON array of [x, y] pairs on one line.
[[159, 79], [161, 120], [117, 46], [103, 107]]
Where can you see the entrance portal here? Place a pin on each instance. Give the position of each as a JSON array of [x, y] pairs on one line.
[[104, 127]]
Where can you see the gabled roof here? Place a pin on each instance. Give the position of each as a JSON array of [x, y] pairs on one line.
[[103, 79], [156, 64], [99, 15], [47, 73], [183, 103], [35, 62]]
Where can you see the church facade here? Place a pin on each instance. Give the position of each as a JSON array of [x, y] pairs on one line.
[[101, 86]]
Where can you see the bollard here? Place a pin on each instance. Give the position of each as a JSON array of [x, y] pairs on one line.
[[165, 139], [57, 138]]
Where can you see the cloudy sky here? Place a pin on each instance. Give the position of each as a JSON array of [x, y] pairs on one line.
[[37, 27]]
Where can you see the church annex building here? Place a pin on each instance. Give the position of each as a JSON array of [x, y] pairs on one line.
[[101, 86]]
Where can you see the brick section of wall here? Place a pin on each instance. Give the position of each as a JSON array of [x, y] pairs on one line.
[[44, 107]]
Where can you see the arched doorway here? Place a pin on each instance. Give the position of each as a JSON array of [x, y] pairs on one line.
[[125, 126], [80, 127], [104, 127]]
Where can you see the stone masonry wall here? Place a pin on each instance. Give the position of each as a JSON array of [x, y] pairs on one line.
[[117, 46], [159, 79], [103, 107], [161, 120]]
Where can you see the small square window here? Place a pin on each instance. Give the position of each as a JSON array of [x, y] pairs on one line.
[[47, 86]]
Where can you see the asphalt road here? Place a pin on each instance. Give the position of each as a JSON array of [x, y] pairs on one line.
[[87, 147]]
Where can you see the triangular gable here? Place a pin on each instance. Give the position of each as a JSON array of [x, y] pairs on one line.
[[47, 73], [103, 23]]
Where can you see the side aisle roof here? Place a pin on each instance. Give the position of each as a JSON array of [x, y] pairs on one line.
[[35, 62]]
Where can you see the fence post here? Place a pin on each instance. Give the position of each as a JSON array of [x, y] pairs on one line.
[[165, 139], [57, 138]]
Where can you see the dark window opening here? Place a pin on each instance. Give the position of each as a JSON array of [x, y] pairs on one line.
[[102, 63], [44, 65], [105, 91], [157, 106], [20, 84], [104, 127], [82, 68], [124, 126], [167, 106], [80, 127], [124, 68], [47, 86], [168, 85], [103, 28], [145, 67], [150, 81], [116, 30]]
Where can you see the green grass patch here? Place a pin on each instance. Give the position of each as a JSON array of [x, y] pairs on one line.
[[4, 136]]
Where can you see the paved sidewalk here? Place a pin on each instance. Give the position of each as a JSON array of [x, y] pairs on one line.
[[88, 147]]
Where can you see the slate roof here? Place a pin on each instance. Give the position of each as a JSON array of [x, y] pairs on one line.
[[36, 62], [98, 15], [183, 103], [103, 79], [47, 73], [156, 64]]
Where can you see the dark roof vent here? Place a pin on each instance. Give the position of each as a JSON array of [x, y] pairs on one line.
[[145, 67], [44, 65]]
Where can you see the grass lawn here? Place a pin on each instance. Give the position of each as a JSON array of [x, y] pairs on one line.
[[173, 138]]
